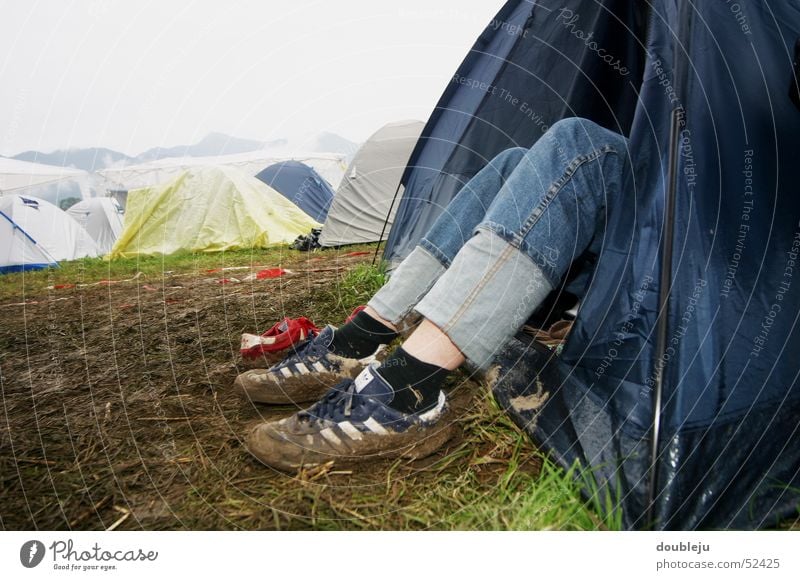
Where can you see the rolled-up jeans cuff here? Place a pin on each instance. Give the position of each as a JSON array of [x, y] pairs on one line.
[[410, 281], [485, 296]]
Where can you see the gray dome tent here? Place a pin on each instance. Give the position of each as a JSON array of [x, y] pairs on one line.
[[364, 199]]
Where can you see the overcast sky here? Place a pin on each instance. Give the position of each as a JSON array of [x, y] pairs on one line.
[[133, 74]]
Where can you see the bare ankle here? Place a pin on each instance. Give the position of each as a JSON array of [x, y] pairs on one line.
[[371, 312]]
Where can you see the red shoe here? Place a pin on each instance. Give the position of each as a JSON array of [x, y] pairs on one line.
[[285, 334]]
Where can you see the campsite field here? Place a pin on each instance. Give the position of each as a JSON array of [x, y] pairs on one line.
[[117, 410]]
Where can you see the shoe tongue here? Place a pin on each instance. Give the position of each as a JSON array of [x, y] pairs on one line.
[[326, 336], [370, 384]]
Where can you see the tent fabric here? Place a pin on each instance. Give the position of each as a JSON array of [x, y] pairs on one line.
[[18, 175], [364, 202], [329, 165], [728, 447], [18, 251], [301, 185], [101, 217], [517, 80], [208, 209], [53, 231]]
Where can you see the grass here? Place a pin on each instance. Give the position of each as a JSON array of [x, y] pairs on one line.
[[361, 283], [493, 479], [490, 477], [92, 270], [530, 492]]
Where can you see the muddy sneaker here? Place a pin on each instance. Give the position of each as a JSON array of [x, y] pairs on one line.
[[303, 376], [352, 423]]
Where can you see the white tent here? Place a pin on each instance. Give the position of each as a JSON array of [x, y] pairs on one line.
[[101, 217], [50, 228], [330, 166], [364, 198], [16, 176], [19, 251]]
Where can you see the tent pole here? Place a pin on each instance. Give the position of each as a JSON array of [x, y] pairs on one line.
[[677, 121], [386, 221]]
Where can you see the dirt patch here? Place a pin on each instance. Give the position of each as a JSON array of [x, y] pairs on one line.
[[118, 410]]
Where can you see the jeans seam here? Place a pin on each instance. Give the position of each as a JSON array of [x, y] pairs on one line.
[[558, 186], [501, 260], [435, 252], [524, 248]]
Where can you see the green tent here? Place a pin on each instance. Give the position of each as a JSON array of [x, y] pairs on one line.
[[208, 209]]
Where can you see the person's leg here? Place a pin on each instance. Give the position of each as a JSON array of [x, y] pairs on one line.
[[305, 373], [417, 273], [545, 215]]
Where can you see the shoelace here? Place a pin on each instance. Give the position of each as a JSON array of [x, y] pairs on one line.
[[307, 347], [340, 397]]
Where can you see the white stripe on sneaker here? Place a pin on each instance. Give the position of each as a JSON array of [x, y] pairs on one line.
[[434, 413], [319, 367], [302, 368], [349, 430], [375, 427], [328, 434], [286, 372]]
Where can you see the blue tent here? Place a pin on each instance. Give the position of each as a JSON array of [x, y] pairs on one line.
[[301, 185], [677, 386], [522, 75]]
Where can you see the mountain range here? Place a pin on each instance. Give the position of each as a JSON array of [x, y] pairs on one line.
[[92, 159]]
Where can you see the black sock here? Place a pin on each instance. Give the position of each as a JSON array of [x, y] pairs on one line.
[[361, 337], [416, 384]]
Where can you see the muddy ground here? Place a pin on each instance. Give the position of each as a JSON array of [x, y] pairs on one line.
[[117, 411]]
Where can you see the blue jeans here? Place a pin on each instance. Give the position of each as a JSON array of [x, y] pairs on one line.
[[508, 237]]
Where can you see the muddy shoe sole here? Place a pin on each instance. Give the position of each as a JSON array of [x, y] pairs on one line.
[[299, 389], [262, 386], [287, 452]]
